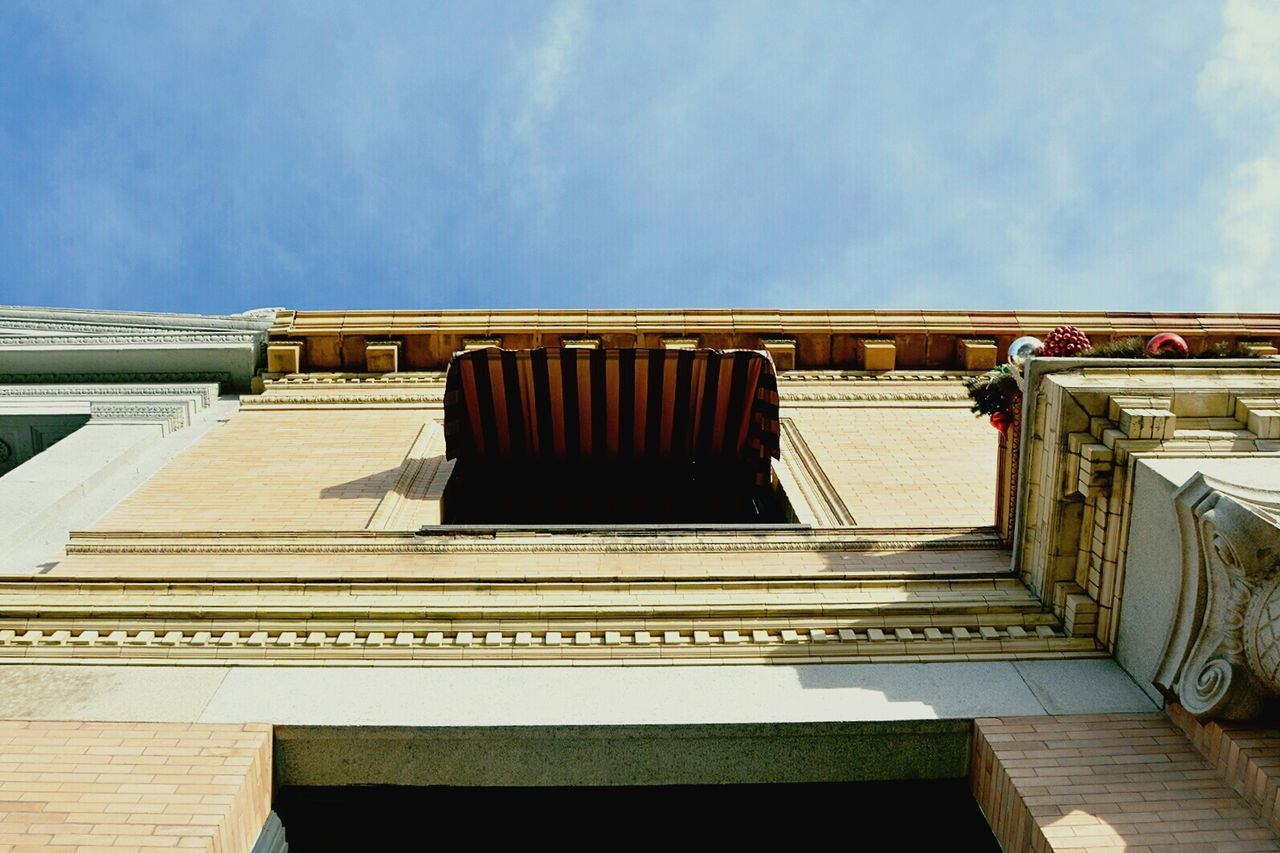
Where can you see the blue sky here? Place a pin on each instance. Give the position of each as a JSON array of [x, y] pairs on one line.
[[221, 156]]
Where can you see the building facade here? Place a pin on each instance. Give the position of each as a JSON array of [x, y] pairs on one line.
[[284, 550]]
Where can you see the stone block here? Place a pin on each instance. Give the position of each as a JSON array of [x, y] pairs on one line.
[[684, 342], [1264, 423], [879, 355], [978, 355], [782, 351], [382, 357], [1080, 616], [284, 357]]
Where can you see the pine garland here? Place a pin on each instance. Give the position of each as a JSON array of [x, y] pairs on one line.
[[993, 391], [1137, 348]]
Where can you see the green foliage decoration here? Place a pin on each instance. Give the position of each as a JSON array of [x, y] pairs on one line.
[[1137, 348], [1119, 348], [993, 391], [1222, 349]]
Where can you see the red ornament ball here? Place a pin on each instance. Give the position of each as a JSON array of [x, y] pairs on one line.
[[1065, 341], [1001, 421], [1168, 345]]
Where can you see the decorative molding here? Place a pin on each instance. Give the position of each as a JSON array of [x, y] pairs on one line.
[[1222, 658], [185, 338], [206, 393], [446, 542], [307, 398], [342, 380], [815, 488], [793, 376], [416, 498], [172, 417], [171, 406], [120, 377], [306, 639], [23, 327], [292, 392], [935, 395], [862, 376]]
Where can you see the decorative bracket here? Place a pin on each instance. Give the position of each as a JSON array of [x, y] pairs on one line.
[[1222, 658]]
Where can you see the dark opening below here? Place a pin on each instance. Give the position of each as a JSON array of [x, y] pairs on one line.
[[482, 492], [915, 815]]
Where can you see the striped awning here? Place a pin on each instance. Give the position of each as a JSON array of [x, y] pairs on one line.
[[665, 405]]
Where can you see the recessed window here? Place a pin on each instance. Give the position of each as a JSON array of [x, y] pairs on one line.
[[612, 437]]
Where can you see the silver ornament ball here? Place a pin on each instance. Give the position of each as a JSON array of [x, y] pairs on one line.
[[1022, 349]]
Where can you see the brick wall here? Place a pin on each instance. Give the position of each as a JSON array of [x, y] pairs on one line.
[[70, 787], [1245, 755], [1088, 783]]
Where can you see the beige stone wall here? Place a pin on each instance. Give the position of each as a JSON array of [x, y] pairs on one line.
[[322, 469], [905, 466], [329, 468]]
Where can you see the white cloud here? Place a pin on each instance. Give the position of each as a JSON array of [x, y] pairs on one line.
[[1244, 76], [553, 55], [544, 72], [1240, 89], [1249, 227]]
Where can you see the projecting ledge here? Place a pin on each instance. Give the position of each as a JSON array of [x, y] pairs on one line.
[[623, 755]]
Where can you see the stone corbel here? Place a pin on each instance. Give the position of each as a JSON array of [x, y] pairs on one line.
[[1222, 658], [1261, 416]]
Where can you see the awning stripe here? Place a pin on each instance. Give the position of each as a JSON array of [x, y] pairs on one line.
[[678, 405]]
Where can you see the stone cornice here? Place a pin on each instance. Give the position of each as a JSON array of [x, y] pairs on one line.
[[118, 339], [206, 393], [89, 322], [172, 406], [39, 345], [416, 621], [35, 380], [289, 323], [807, 340]]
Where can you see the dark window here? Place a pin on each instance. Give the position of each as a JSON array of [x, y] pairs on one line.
[[612, 493]]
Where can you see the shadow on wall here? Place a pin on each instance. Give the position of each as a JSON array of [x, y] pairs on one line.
[[958, 552], [370, 486]]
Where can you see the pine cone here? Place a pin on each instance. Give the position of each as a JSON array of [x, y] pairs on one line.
[[1064, 341]]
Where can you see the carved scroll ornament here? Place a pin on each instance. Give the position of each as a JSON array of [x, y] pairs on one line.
[[1222, 658]]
